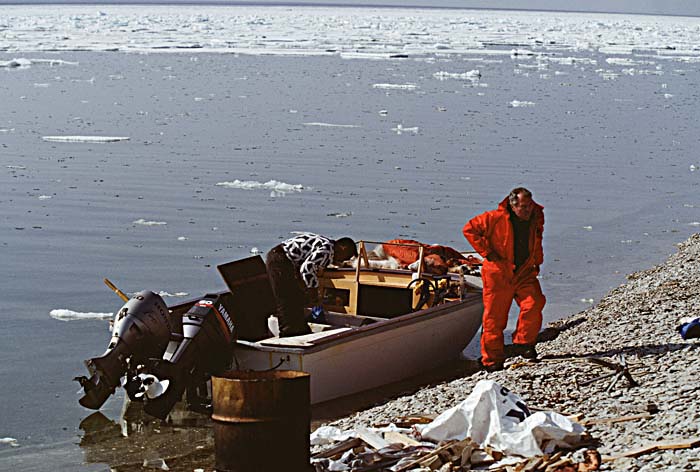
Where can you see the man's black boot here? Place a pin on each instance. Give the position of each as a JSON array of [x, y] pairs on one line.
[[526, 351]]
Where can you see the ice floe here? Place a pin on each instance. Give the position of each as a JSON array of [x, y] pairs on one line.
[[470, 75], [144, 222], [400, 129], [22, 62], [521, 104], [395, 86], [163, 293], [70, 315], [278, 188], [85, 139], [9, 441], [329, 125]]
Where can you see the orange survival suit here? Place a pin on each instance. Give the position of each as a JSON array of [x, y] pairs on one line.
[[492, 232]]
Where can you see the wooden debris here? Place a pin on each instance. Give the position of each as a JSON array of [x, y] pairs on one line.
[[657, 446], [338, 448], [372, 439], [679, 444], [558, 465], [420, 460], [408, 421], [531, 465], [400, 438]]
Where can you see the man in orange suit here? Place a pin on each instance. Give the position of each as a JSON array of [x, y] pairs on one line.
[[509, 239]]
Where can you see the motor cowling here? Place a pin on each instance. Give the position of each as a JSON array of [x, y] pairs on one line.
[[204, 349], [141, 330]]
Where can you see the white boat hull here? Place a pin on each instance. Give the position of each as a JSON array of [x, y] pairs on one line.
[[349, 360]]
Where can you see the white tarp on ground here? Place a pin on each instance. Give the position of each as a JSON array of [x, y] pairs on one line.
[[493, 416]]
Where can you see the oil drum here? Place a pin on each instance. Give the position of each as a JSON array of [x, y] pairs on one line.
[[261, 421]]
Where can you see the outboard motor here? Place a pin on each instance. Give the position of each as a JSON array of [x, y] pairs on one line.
[[204, 348], [142, 328]]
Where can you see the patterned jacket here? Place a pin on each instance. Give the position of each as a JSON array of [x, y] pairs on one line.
[[310, 253]]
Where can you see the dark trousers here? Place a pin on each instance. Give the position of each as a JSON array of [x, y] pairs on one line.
[[289, 292]]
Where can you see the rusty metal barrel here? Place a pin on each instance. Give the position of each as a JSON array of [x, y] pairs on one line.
[[261, 421]]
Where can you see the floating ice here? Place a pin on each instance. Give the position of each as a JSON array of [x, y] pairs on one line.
[[45, 197], [16, 63], [607, 74], [10, 441], [85, 139], [330, 125], [163, 293], [255, 251], [274, 185], [588, 228], [470, 75], [521, 104], [341, 214], [587, 300], [143, 222], [395, 86], [521, 52], [182, 238], [399, 129], [23, 62], [693, 168], [70, 315], [694, 223]]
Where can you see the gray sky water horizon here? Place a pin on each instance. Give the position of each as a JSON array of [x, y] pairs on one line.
[[645, 7]]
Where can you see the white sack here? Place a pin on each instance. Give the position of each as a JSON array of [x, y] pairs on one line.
[[328, 435], [493, 416]]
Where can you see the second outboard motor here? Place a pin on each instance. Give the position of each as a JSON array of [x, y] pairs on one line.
[[205, 347], [142, 328]]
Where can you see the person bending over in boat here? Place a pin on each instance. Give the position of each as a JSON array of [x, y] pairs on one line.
[[293, 267], [510, 240]]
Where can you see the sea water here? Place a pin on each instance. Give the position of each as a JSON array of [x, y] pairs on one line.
[[149, 144]]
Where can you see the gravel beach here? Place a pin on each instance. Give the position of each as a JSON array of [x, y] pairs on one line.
[[637, 320]]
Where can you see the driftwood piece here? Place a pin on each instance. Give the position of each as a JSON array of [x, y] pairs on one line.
[[372, 439], [400, 438], [420, 459], [532, 464], [338, 448], [657, 446]]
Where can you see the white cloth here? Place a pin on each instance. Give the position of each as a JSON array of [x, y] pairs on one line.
[[493, 416]]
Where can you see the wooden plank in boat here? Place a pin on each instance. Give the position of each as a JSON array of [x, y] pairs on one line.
[[305, 340]]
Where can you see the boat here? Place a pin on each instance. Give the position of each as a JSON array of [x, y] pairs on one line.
[[378, 325]]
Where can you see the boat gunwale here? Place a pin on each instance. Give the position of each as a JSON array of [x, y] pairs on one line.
[[374, 328]]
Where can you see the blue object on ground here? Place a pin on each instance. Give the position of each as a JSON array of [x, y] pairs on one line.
[[690, 330]]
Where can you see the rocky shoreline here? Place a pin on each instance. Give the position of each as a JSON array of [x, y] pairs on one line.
[[635, 324]]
